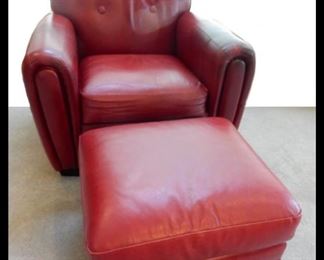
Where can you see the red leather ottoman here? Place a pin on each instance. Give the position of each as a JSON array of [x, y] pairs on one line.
[[184, 189]]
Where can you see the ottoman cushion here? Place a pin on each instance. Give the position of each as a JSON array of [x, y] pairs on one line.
[[184, 189]]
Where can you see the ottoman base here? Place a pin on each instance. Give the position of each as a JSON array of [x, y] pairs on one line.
[[270, 253]]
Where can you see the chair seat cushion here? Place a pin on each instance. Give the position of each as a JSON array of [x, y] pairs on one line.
[[135, 88], [183, 189]]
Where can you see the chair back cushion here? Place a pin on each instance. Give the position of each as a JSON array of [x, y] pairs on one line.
[[123, 26]]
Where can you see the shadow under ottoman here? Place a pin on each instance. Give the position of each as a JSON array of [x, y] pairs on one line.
[[183, 189]]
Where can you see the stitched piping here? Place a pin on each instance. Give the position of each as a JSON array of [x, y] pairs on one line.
[[194, 233], [44, 120], [66, 107], [221, 91]]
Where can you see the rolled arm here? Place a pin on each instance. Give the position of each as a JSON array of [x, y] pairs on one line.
[[224, 62], [50, 74]]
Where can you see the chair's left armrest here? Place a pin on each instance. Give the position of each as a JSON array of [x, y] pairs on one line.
[[50, 74], [224, 62]]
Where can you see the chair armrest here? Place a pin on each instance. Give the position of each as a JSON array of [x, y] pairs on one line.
[[50, 74], [224, 62]]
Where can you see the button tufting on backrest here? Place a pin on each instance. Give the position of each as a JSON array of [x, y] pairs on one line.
[[153, 8], [123, 26], [102, 9]]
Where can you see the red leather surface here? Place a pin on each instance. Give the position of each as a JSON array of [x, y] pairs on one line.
[[86, 127], [271, 253], [53, 47], [209, 49], [127, 26], [137, 88], [222, 61], [184, 189], [232, 89], [55, 114]]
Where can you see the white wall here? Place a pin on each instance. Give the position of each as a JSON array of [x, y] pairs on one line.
[[282, 33], [23, 18]]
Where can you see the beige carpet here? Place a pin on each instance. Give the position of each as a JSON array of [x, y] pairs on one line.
[[45, 219]]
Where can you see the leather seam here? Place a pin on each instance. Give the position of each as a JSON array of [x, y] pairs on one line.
[[223, 82], [244, 86], [195, 233], [221, 90], [44, 119], [69, 113], [66, 107]]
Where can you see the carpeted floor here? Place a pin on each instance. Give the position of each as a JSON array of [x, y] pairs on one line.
[[45, 219]]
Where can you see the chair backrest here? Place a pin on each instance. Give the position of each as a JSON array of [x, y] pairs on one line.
[[123, 26]]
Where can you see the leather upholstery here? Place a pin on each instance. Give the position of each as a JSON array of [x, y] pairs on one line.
[[81, 30], [50, 73], [223, 62], [180, 190], [138, 88], [123, 26]]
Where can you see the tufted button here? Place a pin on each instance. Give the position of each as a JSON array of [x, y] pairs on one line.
[[102, 9], [153, 8]]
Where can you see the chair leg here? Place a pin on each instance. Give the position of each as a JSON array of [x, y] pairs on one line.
[[70, 172]]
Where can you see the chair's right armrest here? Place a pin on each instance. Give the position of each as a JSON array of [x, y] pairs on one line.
[[50, 74], [223, 61]]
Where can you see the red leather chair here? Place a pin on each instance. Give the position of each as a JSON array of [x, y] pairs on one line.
[[94, 63]]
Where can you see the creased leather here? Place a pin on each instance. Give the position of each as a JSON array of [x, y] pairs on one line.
[[208, 49], [53, 46], [138, 88], [179, 190]]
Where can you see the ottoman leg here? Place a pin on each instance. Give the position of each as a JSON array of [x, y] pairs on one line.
[[70, 172]]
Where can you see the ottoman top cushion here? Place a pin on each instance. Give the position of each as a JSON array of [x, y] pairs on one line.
[[174, 186]]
